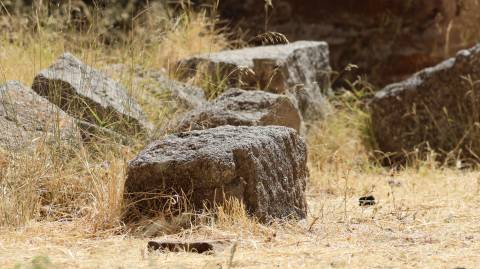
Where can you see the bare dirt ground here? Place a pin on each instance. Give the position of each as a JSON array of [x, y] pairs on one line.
[[424, 218]]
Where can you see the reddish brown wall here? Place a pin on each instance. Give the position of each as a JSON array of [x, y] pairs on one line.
[[388, 39]]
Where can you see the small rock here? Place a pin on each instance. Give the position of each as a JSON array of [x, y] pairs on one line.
[[367, 201]]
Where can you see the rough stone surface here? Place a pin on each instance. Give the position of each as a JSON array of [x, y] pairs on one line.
[[438, 108], [300, 69], [89, 95], [27, 119], [265, 167], [389, 40], [244, 108], [92, 133], [176, 96], [4, 161], [184, 96]]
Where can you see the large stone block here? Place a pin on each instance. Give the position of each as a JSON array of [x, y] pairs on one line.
[[89, 95], [264, 167], [437, 108]]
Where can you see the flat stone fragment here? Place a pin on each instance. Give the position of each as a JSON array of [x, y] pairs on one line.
[[264, 167], [244, 108], [181, 246], [27, 119], [89, 95], [437, 108], [300, 69]]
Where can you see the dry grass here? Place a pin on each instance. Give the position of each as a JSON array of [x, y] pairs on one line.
[[428, 219], [425, 217], [63, 208]]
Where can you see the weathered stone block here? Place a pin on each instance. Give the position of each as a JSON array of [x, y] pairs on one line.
[[264, 167], [438, 108]]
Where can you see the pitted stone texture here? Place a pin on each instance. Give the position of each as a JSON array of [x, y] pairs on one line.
[[244, 108], [300, 69], [437, 108], [27, 119], [264, 167], [89, 95]]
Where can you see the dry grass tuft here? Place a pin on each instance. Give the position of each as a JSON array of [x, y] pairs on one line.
[[269, 38], [344, 137], [65, 184], [190, 34]]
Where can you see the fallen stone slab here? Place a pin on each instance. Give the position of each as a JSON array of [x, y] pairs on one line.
[[367, 201], [437, 108], [89, 95], [300, 69], [264, 167], [27, 119], [179, 246], [244, 108]]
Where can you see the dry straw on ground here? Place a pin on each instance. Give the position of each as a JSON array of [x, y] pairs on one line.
[[62, 207]]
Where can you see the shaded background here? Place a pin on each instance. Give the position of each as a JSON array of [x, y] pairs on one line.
[[387, 39]]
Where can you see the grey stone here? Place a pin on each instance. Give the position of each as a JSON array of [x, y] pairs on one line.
[[92, 133], [89, 95], [186, 97], [437, 108], [248, 108], [300, 69], [176, 96], [27, 119], [264, 167]]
